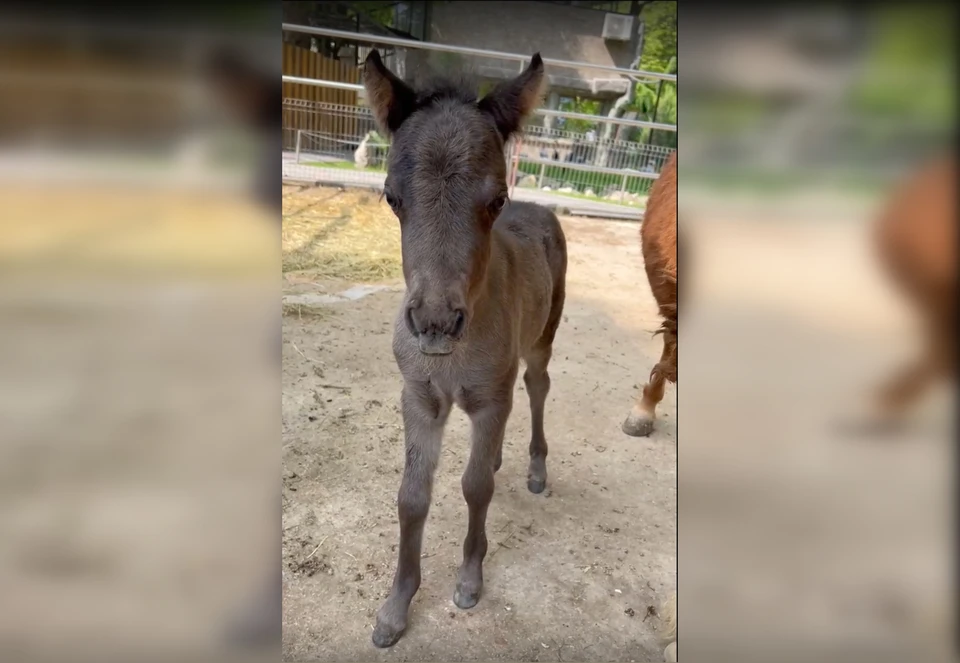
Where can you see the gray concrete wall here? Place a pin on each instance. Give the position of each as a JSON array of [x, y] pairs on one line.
[[556, 31]]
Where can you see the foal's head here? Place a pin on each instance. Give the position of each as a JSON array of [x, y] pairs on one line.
[[446, 182]]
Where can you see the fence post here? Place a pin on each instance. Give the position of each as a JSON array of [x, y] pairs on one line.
[[515, 165], [298, 145], [623, 188], [543, 168]]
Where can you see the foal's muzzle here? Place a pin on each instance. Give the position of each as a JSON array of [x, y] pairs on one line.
[[437, 329]]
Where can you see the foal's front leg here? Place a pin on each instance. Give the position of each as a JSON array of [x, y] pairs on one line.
[[488, 425], [423, 420]]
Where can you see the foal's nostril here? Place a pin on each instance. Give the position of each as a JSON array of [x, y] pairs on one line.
[[411, 325], [458, 323]]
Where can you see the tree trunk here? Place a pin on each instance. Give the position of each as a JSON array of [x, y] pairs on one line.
[[603, 153]]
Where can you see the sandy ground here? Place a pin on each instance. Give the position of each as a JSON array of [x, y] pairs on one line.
[[575, 574]]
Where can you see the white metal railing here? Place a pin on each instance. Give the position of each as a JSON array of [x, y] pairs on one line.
[[466, 50], [601, 119], [322, 165]]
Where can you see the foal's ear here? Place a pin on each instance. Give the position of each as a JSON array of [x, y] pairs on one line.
[[511, 102], [392, 100]]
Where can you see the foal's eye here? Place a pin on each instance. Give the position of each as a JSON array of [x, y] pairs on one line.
[[497, 205], [392, 201]]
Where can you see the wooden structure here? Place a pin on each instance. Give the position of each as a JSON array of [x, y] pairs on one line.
[[316, 117]]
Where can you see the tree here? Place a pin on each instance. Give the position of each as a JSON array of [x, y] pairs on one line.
[[657, 102], [583, 106], [657, 52]]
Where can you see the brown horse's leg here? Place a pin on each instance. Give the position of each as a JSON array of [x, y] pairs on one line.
[[423, 421], [904, 388], [640, 421], [488, 425], [907, 385], [537, 380]]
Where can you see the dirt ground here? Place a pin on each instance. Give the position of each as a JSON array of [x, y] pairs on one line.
[[577, 573]]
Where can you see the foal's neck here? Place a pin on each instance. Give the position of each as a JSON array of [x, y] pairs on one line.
[[495, 280]]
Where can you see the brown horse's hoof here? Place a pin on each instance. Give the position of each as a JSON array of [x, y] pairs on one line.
[[670, 653], [536, 486], [638, 426], [868, 420]]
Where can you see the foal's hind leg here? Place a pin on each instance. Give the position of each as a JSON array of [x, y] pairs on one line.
[[537, 380], [640, 421], [423, 421], [489, 421]]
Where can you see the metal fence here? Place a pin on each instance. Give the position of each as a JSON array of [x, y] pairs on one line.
[[336, 143], [339, 144]]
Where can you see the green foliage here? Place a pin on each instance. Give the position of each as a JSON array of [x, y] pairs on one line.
[[660, 35], [909, 69], [657, 101], [374, 138], [578, 105]]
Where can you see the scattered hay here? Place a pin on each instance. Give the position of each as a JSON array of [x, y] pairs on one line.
[[346, 234], [109, 230], [302, 312]]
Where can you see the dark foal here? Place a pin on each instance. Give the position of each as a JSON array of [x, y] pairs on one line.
[[485, 288]]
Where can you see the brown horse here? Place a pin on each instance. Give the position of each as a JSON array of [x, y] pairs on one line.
[[485, 289], [916, 243], [658, 242]]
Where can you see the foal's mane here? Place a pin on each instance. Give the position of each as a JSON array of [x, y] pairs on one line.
[[461, 87]]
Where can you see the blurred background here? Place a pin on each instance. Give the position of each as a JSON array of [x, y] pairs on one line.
[[138, 327], [801, 535]]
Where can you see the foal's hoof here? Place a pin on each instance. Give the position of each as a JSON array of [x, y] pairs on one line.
[[536, 486], [638, 425], [670, 653], [391, 623], [465, 599], [385, 636]]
